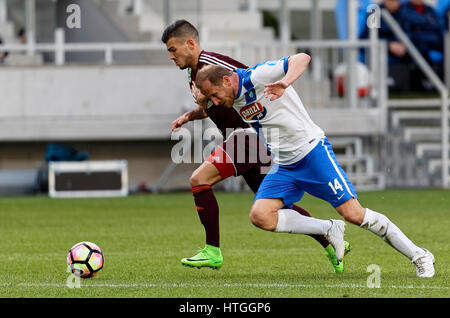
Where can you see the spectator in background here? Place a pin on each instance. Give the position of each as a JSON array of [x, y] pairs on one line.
[[397, 49], [398, 61], [422, 25]]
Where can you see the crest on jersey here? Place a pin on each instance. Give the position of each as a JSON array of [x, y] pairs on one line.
[[254, 111], [250, 96]]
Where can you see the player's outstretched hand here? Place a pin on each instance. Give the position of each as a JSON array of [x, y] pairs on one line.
[[180, 121], [199, 98], [275, 89]]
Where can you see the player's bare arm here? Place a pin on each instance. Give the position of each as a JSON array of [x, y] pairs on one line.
[[195, 114], [297, 65]]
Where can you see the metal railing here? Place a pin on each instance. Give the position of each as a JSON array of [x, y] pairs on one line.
[[437, 82], [251, 53], [331, 53], [60, 47]]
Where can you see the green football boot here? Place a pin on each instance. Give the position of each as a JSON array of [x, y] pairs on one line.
[[337, 266], [210, 256]]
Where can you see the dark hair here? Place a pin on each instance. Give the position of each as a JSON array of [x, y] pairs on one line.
[[212, 73], [178, 29]]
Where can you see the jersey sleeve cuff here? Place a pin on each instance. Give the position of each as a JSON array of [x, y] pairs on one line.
[[285, 63]]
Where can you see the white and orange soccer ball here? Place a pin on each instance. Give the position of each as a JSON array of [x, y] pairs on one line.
[[85, 259]]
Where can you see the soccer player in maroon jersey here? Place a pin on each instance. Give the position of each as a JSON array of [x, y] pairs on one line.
[[182, 42]]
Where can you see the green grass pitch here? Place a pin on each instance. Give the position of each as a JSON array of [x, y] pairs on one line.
[[143, 238]]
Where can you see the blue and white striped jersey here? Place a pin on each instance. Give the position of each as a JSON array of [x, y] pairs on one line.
[[284, 123]]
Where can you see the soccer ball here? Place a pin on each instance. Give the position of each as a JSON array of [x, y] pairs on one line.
[[85, 259]]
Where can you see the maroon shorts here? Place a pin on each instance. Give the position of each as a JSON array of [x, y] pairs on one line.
[[242, 154]]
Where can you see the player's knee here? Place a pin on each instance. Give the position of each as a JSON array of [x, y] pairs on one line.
[[194, 180], [258, 220], [355, 216], [205, 174], [352, 212], [198, 178], [263, 219]]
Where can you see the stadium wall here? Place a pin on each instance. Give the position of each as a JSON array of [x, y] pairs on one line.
[[116, 112], [87, 102]]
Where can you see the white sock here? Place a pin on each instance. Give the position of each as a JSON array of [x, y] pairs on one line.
[[383, 227], [290, 221]]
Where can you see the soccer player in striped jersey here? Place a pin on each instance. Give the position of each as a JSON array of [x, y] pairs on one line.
[[304, 158], [182, 42]]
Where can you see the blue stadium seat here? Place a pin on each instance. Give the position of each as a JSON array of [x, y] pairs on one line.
[[436, 56]]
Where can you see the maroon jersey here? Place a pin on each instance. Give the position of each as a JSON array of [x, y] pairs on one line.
[[250, 170], [221, 116]]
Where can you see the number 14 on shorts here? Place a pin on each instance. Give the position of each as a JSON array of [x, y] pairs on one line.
[[335, 185]]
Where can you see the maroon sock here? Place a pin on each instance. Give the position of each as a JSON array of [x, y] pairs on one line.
[[319, 238], [208, 211]]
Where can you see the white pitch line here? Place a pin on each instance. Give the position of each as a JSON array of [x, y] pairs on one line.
[[225, 285]]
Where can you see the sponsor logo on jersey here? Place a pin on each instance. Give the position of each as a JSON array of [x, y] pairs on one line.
[[254, 111]]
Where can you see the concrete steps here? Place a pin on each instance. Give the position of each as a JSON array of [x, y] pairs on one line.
[[415, 146]]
